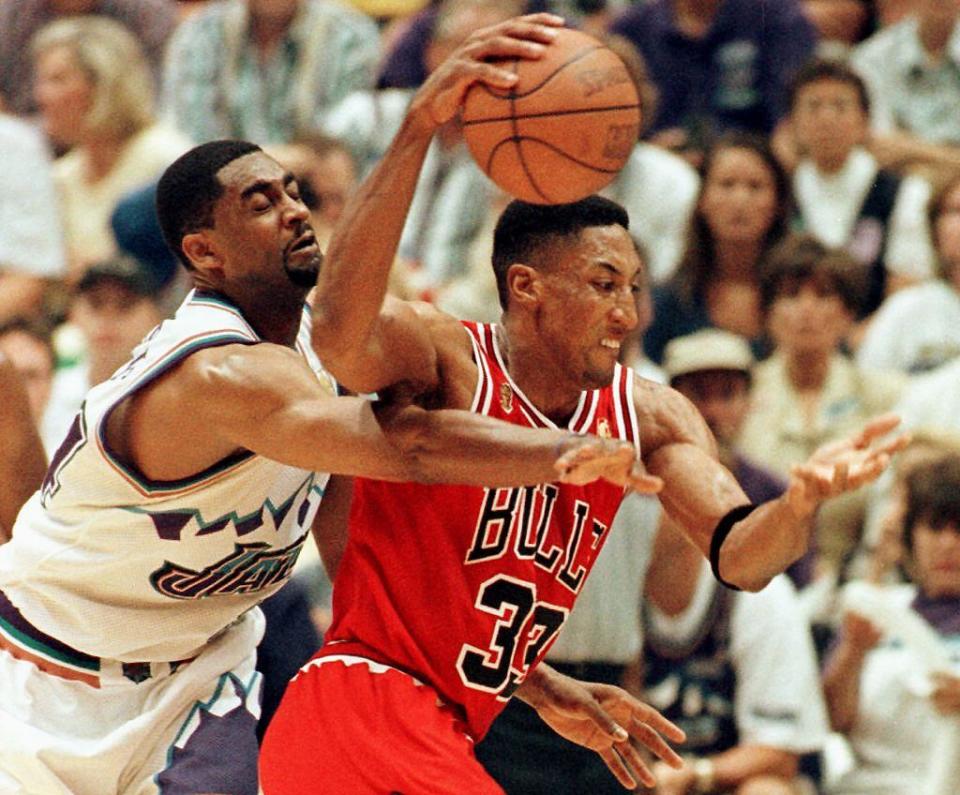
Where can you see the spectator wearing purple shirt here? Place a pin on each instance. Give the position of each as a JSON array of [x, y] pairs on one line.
[[405, 66], [718, 64]]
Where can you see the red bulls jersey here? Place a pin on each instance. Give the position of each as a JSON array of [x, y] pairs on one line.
[[464, 587]]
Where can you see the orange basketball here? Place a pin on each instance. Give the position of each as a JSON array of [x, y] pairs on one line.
[[565, 128]]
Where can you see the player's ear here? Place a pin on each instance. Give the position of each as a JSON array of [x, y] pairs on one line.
[[200, 250], [523, 284]]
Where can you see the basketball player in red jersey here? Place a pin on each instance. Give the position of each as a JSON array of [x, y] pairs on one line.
[[447, 598]]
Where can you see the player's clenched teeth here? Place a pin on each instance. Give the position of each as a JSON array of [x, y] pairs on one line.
[[610, 343]]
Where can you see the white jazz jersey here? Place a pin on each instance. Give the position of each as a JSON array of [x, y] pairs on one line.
[[120, 567]]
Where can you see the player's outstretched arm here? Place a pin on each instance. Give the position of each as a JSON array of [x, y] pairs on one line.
[[22, 462], [605, 719], [264, 398], [365, 344], [748, 545]]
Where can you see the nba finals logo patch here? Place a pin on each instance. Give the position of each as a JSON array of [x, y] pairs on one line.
[[506, 398], [603, 428]]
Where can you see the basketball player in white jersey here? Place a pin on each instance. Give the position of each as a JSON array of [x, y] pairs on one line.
[[183, 492]]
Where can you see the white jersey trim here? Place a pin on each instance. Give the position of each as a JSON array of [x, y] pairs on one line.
[[141, 484]]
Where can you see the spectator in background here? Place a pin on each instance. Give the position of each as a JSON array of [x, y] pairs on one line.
[[31, 239], [918, 328], [28, 347], [136, 229], [94, 90], [875, 684], [930, 404], [150, 21], [408, 62], [808, 393], [741, 212], [912, 72], [265, 70], [113, 307], [718, 65], [656, 187], [843, 197], [842, 22], [737, 671]]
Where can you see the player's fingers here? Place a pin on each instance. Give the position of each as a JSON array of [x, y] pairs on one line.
[[648, 716], [642, 483], [867, 470], [482, 72], [604, 721], [584, 449], [877, 427], [504, 47], [636, 764], [615, 764], [814, 479], [653, 742], [895, 444], [541, 33], [539, 27], [841, 475]]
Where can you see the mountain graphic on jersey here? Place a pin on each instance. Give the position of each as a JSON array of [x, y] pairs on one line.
[[170, 524]]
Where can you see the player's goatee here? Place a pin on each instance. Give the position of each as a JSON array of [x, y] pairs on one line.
[[306, 276]]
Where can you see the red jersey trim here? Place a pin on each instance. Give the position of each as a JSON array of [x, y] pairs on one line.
[[529, 409], [484, 341]]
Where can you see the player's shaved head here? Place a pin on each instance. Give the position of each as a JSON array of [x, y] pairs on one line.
[[525, 231], [189, 189]]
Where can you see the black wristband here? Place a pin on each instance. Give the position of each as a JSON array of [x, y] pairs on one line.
[[720, 533]]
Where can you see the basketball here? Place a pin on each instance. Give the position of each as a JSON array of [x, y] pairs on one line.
[[564, 130]]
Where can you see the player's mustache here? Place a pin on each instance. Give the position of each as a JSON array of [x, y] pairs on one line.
[[304, 228]]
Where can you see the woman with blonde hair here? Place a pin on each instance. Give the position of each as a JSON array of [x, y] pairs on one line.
[[95, 93]]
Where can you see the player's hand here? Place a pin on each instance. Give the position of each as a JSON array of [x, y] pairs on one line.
[[610, 721], [585, 459], [844, 465], [438, 100]]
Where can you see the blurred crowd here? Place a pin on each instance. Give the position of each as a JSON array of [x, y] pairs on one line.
[[795, 194]]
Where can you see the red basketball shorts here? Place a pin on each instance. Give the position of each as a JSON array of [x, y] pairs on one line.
[[347, 725]]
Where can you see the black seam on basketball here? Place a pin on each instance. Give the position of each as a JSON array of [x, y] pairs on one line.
[[546, 113], [579, 56], [517, 140], [489, 167], [559, 151], [513, 95], [533, 183]]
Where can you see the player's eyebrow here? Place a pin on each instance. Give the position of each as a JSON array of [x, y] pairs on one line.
[[613, 269], [264, 185]]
